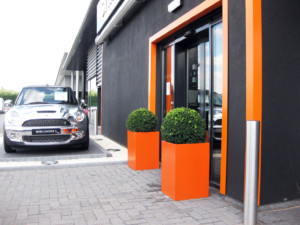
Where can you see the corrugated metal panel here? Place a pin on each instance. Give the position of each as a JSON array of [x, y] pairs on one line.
[[91, 69], [99, 70]]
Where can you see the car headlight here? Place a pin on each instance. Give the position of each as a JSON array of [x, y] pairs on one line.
[[79, 116], [12, 116]]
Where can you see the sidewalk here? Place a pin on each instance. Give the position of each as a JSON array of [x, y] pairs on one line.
[[107, 191]]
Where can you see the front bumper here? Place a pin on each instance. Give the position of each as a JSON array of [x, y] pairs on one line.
[[44, 136]]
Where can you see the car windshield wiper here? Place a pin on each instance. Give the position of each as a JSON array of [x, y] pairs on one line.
[[63, 102], [67, 102], [33, 103]]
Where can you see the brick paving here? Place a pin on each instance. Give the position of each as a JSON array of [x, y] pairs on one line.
[[104, 194], [107, 191]]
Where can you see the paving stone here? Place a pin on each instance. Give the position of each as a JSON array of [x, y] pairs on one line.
[[111, 194]]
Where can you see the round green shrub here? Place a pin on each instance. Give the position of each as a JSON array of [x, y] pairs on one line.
[[141, 120], [183, 125]]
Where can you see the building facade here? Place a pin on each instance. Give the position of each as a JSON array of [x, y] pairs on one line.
[[232, 61]]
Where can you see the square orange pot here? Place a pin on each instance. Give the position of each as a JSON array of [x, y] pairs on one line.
[[143, 150], [185, 170]]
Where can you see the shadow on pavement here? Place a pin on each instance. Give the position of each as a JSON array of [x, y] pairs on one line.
[[53, 153]]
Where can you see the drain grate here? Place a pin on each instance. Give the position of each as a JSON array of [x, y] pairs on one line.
[[49, 162]]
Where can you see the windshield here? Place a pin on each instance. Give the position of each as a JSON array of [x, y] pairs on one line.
[[46, 95], [217, 100]]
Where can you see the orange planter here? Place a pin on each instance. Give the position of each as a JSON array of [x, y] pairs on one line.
[[143, 150], [185, 170]]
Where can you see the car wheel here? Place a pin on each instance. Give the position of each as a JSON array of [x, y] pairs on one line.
[[86, 144], [7, 148]]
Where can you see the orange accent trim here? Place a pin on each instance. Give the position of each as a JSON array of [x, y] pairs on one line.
[[254, 68], [66, 131], [224, 100], [191, 16], [143, 150], [152, 78], [185, 170]]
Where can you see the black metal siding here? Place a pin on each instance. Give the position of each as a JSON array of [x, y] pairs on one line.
[[99, 63], [236, 100], [125, 65], [280, 174], [91, 66]]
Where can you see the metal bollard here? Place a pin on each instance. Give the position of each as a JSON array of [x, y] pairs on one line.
[[252, 157]]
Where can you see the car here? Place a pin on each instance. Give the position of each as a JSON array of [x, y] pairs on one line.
[[45, 116], [217, 113]]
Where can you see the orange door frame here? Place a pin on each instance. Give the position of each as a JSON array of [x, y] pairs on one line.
[[194, 14]]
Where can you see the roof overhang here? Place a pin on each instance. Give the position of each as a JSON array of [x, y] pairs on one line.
[[87, 32]]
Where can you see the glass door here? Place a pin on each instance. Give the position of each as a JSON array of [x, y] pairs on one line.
[[192, 68], [204, 91], [198, 80], [169, 79], [216, 99]]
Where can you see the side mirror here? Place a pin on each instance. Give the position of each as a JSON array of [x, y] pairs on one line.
[[83, 104]]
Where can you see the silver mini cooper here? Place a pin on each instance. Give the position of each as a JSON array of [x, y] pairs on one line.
[[45, 116]]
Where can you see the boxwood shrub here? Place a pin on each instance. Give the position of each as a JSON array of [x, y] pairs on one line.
[[141, 120], [183, 125]]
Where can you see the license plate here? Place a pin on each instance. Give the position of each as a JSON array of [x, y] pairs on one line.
[[45, 131]]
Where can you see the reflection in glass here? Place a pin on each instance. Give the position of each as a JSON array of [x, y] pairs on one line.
[[169, 80], [92, 99], [202, 88], [92, 93], [193, 79], [217, 76]]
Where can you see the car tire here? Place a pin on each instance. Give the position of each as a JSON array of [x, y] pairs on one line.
[[86, 144], [7, 148]]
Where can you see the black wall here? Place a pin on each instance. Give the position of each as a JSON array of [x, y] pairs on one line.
[[125, 65], [281, 97], [236, 100]]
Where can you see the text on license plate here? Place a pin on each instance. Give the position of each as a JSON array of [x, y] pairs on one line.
[[46, 131]]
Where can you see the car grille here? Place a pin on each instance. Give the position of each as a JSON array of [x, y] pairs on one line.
[[46, 123], [46, 138]]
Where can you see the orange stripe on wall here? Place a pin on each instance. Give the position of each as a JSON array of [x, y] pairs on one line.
[[152, 78], [254, 68], [223, 173]]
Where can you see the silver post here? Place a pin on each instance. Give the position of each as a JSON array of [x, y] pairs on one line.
[[252, 153]]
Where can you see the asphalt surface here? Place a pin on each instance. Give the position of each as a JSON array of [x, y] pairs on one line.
[[53, 153]]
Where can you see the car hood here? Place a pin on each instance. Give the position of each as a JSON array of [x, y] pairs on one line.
[[47, 111]]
